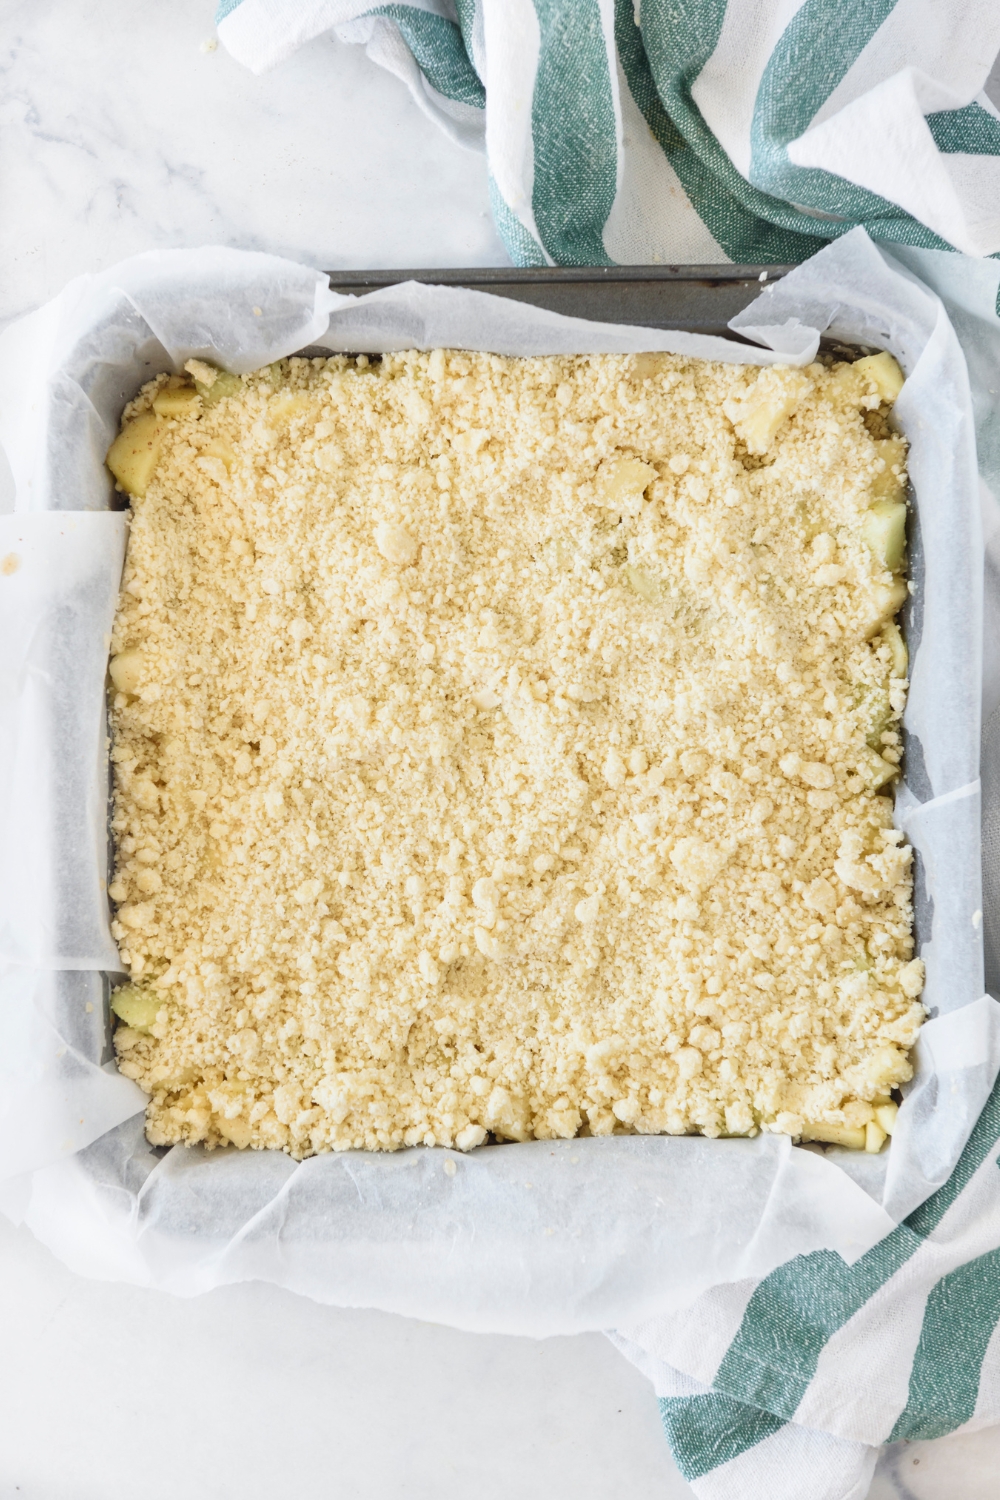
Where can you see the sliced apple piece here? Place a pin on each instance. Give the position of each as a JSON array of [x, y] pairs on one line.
[[176, 401], [878, 711], [221, 386], [775, 396], [127, 670], [887, 600], [135, 452], [854, 1137], [876, 770], [621, 483], [137, 1007], [884, 529], [893, 637], [889, 484], [884, 373]]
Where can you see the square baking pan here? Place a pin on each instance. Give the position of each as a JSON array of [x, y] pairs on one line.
[[347, 1220]]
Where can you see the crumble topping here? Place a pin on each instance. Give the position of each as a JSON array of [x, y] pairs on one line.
[[506, 746]]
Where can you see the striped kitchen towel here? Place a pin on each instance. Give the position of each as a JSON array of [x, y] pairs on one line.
[[698, 131], [784, 1389]]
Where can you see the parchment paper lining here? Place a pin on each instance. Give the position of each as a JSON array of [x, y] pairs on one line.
[[541, 1237]]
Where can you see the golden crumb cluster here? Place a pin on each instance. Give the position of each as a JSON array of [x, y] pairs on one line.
[[505, 746]]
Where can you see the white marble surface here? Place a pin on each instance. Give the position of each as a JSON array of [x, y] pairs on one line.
[[251, 1393], [120, 132]]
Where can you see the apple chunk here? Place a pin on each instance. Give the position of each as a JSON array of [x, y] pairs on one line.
[[885, 532], [134, 453], [137, 1007], [884, 373]]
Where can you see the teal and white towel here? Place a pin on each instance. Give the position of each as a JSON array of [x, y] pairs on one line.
[[699, 131], [753, 131], [785, 1388]]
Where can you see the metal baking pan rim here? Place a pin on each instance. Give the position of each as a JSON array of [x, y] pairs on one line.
[[712, 275]]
